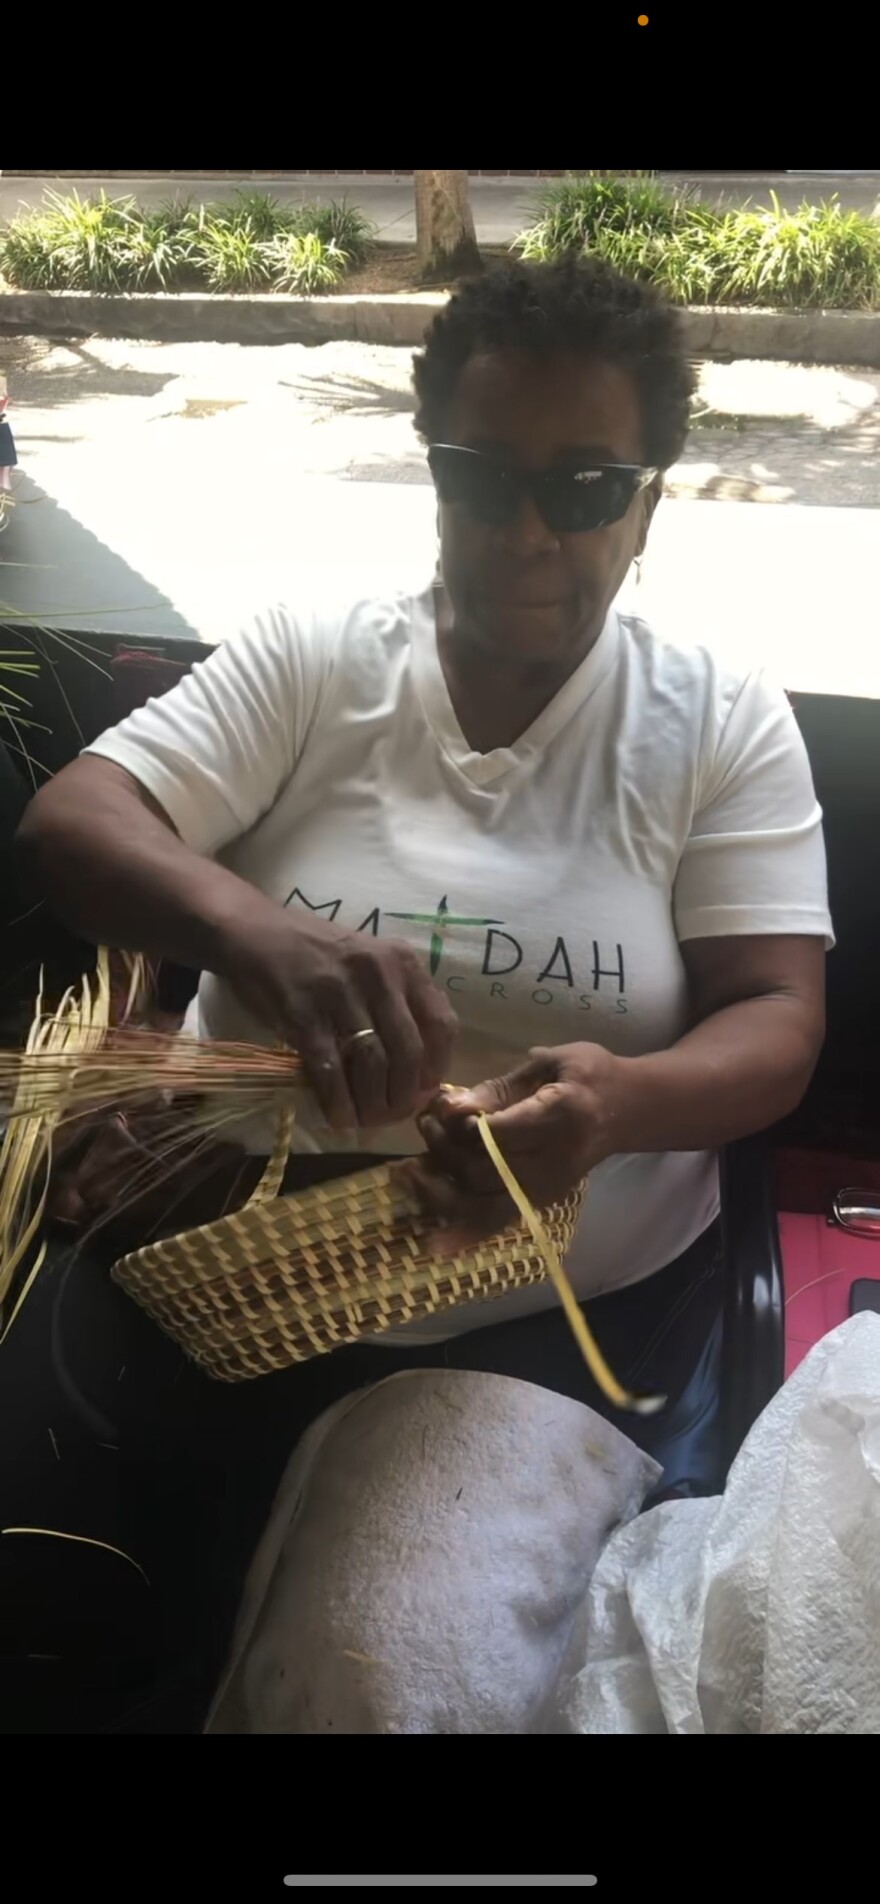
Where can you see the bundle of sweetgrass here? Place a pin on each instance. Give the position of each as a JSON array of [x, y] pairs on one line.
[[61, 1039], [76, 1066]]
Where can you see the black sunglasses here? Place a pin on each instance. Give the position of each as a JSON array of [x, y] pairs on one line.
[[570, 501]]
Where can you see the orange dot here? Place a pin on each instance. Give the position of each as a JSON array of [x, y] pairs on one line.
[[643, 19]]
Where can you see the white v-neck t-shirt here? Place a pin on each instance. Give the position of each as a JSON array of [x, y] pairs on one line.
[[659, 797]]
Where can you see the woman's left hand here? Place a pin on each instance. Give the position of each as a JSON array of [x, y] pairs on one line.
[[553, 1118]]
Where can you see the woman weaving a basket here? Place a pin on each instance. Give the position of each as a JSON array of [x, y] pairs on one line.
[[497, 834]]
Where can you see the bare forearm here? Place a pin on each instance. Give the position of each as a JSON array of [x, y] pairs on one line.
[[118, 874], [739, 1071]]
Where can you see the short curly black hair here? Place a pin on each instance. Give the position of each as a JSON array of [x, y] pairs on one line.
[[579, 304]]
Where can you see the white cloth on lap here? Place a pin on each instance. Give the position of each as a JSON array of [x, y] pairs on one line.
[[425, 1561]]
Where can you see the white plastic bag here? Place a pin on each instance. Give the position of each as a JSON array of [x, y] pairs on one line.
[[759, 1611]]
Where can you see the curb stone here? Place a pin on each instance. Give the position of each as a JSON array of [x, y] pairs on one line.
[[811, 337]]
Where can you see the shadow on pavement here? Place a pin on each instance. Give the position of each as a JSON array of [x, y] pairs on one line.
[[47, 385], [56, 570], [356, 396]]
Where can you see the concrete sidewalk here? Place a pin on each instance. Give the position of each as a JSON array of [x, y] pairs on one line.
[[762, 432], [176, 490], [143, 551], [501, 206]]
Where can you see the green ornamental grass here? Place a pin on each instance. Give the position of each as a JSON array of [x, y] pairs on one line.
[[816, 255], [306, 264], [253, 243]]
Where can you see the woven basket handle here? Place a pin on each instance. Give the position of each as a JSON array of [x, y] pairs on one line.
[[273, 1176]]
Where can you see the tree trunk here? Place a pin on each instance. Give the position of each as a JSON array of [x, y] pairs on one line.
[[446, 242]]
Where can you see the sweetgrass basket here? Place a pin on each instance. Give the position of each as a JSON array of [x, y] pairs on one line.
[[289, 1277]]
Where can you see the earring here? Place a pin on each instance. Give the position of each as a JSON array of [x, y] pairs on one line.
[[638, 562]]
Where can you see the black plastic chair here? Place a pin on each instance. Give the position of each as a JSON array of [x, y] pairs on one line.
[[841, 1111], [753, 1332]]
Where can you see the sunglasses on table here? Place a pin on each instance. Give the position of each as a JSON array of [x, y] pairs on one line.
[[569, 501]]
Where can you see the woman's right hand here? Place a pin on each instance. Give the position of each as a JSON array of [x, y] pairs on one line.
[[316, 985]]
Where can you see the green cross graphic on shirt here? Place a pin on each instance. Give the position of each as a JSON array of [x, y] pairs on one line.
[[440, 921]]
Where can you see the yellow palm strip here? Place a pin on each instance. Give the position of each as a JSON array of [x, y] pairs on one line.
[[592, 1354]]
